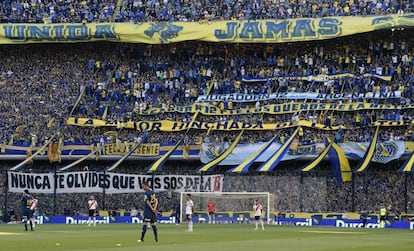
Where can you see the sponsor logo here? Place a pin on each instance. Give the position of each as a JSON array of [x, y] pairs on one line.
[[135, 220], [71, 220], [307, 222], [344, 224]]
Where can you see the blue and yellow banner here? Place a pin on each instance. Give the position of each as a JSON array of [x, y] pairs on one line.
[[245, 98], [230, 125], [244, 166], [157, 165], [408, 165], [363, 165], [260, 31], [222, 156], [152, 149], [282, 108], [316, 161], [317, 78], [278, 156], [340, 164]]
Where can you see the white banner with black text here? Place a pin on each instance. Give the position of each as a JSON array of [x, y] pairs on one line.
[[110, 183]]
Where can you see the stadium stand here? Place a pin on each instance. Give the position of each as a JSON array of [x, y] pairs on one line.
[[124, 82]]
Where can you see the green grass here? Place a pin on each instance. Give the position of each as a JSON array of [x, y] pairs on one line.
[[204, 238]]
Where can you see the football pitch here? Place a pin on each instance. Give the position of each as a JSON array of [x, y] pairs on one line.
[[204, 238]]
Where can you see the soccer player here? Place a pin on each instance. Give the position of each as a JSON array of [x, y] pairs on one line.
[[211, 209], [92, 206], [26, 201], [150, 212], [258, 209], [33, 206], [189, 211]]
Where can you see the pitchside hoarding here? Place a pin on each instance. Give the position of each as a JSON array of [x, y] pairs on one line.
[[338, 223]]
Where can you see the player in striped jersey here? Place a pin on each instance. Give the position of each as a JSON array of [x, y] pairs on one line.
[[92, 206], [258, 209], [33, 205]]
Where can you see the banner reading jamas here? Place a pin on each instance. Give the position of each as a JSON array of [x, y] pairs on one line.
[[112, 183]]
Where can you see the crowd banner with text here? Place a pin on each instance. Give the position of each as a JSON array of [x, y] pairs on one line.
[[317, 78], [230, 125], [141, 150], [241, 97], [288, 107], [234, 31], [112, 183]]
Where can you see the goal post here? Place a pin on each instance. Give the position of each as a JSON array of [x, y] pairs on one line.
[[231, 204]]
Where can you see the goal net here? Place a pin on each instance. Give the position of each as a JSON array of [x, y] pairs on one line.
[[230, 206]]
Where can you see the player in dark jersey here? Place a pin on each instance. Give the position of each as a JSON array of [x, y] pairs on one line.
[[150, 212], [26, 201]]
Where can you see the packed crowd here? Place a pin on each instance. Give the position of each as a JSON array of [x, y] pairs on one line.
[[82, 11], [123, 82], [314, 192], [43, 85]]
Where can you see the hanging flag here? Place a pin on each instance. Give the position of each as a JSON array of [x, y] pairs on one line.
[[157, 165], [186, 151], [408, 165], [214, 162], [53, 152], [366, 160], [316, 161], [274, 161], [340, 164], [244, 166]]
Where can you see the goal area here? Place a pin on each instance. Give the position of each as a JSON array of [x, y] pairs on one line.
[[237, 206]]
